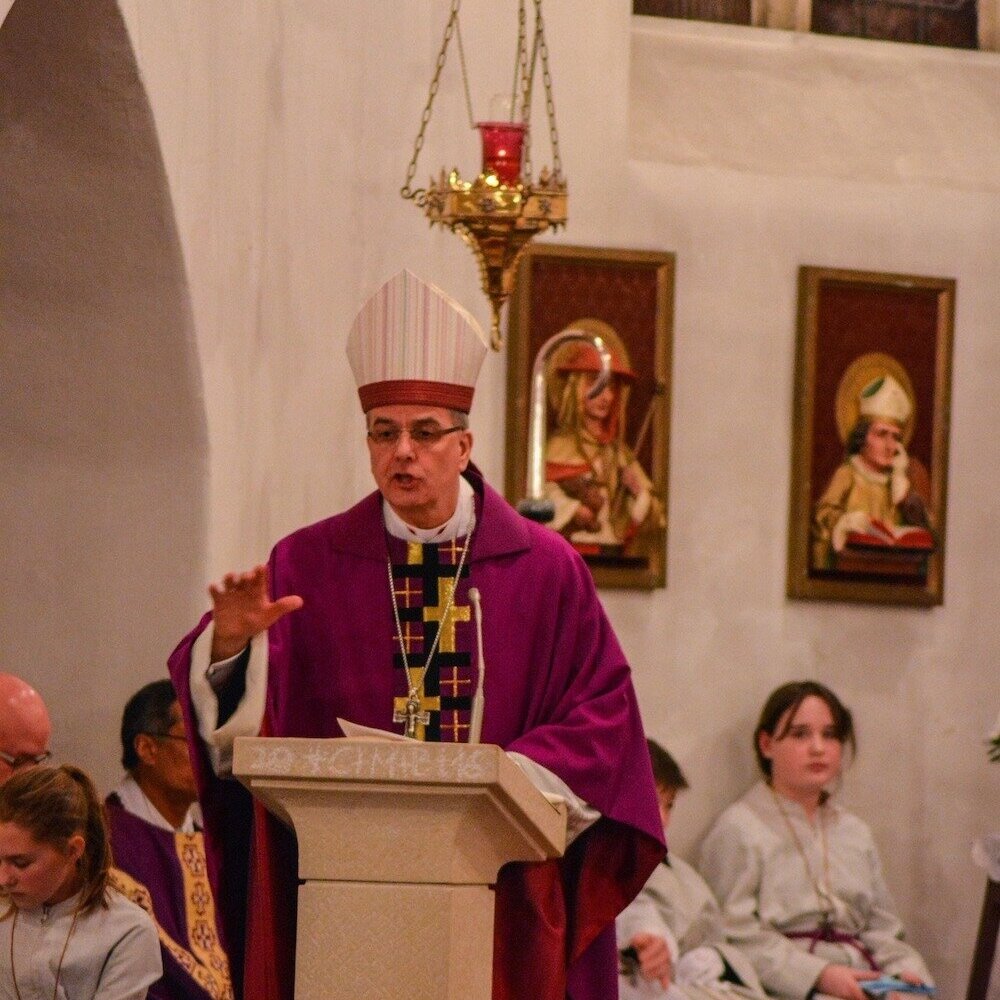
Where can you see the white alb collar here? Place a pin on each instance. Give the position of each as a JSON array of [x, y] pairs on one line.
[[460, 523], [135, 801]]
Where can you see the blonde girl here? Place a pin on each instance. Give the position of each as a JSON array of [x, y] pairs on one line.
[[65, 933]]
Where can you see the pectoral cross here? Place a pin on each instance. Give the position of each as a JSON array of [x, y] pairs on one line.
[[410, 715]]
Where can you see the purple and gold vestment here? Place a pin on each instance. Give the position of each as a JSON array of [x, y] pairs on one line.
[[165, 873], [558, 690]]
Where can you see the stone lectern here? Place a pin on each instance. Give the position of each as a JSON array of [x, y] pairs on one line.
[[399, 843]]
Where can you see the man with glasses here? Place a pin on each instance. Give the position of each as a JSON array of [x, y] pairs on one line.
[[377, 615], [158, 846], [25, 727]]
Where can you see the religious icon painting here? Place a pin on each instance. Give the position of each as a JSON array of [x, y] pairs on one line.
[[605, 449], [870, 437]]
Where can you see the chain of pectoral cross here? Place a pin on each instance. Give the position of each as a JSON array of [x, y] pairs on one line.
[[412, 714]]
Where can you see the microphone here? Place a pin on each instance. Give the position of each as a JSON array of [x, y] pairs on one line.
[[479, 699]]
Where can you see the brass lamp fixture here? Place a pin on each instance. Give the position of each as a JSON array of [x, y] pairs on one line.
[[499, 211]]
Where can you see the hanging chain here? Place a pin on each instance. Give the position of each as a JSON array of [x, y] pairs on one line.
[[465, 76], [527, 79], [530, 89], [539, 52], [524, 68], [519, 67], [411, 170], [550, 104], [526, 72]]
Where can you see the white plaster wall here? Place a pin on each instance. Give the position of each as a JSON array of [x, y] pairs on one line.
[[743, 204], [285, 131]]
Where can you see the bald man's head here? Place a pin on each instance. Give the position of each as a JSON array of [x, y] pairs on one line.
[[25, 728]]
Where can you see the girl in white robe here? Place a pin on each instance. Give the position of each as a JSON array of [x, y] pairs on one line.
[[799, 878], [65, 933]]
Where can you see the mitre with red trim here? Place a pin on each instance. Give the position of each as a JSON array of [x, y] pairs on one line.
[[412, 343]]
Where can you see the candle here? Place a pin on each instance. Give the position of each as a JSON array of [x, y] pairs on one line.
[[502, 145]]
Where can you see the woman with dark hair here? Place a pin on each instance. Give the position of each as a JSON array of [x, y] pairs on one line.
[[798, 877], [66, 932]]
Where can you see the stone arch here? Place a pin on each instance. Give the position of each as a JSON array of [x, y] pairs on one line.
[[104, 443]]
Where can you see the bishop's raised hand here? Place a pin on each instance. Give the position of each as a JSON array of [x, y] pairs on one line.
[[242, 608]]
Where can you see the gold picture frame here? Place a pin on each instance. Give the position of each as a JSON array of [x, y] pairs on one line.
[[613, 473], [867, 515]]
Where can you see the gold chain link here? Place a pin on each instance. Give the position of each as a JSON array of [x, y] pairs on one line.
[[529, 97], [550, 104], [465, 76], [525, 76], [518, 59], [411, 170]]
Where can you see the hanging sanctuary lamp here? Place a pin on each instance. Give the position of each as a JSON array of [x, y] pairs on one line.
[[499, 211]]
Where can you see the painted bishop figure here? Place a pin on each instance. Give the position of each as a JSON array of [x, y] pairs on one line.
[[367, 616]]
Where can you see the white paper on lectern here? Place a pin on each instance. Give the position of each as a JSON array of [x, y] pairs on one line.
[[356, 731]]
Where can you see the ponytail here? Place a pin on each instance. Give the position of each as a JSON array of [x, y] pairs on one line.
[[54, 804], [95, 863]]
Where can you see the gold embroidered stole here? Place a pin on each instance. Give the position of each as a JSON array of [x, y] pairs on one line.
[[205, 962], [425, 586]]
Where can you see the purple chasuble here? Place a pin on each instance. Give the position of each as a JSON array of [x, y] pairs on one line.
[[171, 868], [558, 690]]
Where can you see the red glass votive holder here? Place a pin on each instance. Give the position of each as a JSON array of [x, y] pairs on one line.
[[502, 145]]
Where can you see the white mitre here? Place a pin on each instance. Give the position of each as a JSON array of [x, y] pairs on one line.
[[412, 343], [885, 398]]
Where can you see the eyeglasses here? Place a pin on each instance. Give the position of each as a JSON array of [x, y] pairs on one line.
[[422, 436], [15, 763]]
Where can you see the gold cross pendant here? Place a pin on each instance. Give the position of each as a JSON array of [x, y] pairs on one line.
[[411, 715]]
